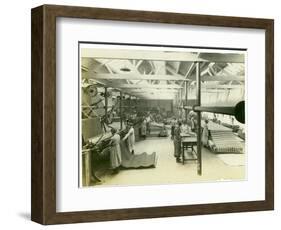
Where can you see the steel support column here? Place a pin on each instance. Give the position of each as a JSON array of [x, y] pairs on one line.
[[186, 91], [130, 104], [180, 109], [120, 110], [105, 104], [198, 96]]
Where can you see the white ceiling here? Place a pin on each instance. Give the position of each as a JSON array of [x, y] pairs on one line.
[[162, 75]]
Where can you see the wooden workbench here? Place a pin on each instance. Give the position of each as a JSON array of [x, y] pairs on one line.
[[187, 142]]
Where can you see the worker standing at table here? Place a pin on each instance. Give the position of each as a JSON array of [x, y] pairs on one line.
[[131, 137], [177, 142], [173, 126]]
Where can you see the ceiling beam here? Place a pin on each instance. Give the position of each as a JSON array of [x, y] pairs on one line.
[[223, 57], [161, 55], [154, 96], [222, 86], [135, 86], [175, 74], [220, 78], [142, 86], [152, 90], [140, 55], [189, 72], [153, 93], [176, 77], [135, 76]]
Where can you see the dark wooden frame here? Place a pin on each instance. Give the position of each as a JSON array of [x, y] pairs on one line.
[[43, 188]]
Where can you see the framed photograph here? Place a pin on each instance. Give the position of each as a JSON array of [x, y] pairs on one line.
[[139, 114]]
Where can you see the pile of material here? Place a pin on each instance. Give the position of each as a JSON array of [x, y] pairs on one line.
[[130, 160], [223, 139], [158, 130]]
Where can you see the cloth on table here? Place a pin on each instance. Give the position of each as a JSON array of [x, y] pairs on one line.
[[224, 140]]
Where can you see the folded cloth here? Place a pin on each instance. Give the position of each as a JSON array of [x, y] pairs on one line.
[[142, 160]]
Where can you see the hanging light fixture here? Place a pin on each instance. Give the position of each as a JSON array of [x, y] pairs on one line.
[[125, 68]]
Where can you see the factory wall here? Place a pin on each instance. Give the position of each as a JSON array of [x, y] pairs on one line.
[[142, 105]]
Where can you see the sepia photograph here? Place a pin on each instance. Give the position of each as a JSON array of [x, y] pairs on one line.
[[156, 115], [145, 114]]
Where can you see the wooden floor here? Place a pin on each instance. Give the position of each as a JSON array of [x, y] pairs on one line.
[[167, 171]]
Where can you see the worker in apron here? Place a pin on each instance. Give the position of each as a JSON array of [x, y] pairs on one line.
[[115, 151], [148, 120], [130, 137], [177, 142], [143, 128], [173, 126]]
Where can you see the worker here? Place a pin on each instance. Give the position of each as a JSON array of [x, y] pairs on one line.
[[205, 134], [115, 151], [215, 118], [143, 128], [177, 142], [163, 132], [131, 137], [173, 126], [192, 124], [148, 120]]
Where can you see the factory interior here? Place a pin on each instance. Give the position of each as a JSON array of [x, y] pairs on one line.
[[152, 116]]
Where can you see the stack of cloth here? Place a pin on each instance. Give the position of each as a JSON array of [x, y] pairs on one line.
[[223, 140], [155, 128]]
